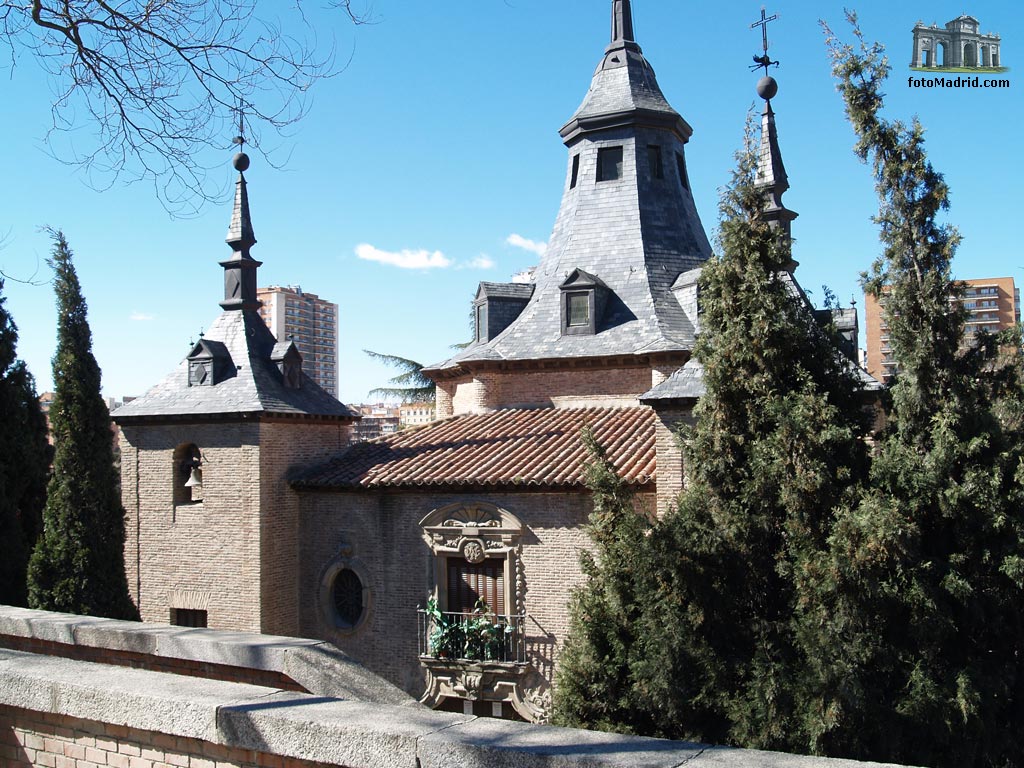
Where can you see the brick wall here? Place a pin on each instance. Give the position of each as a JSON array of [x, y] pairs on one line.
[[671, 465], [233, 553], [204, 554], [30, 738], [568, 386], [381, 533], [285, 446]]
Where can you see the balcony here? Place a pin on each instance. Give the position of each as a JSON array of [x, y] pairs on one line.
[[476, 636], [480, 658]]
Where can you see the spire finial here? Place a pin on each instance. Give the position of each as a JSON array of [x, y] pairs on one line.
[[771, 173], [622, 22], [240, 269]]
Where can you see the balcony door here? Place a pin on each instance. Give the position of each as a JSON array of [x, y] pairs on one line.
[[469, 582]]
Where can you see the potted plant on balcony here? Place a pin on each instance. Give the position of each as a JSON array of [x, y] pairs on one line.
[[446, 638], [485, 634], [478, 636]]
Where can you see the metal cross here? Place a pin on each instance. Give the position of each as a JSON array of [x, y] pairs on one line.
[[764, 60]]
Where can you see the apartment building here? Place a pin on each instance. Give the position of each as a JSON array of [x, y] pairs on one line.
[[415, 414], [309, 321], [992, 304]]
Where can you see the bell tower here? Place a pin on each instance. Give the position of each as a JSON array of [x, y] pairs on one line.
[[212, 531]]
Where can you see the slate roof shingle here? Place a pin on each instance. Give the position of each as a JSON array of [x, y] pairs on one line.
[[517, 448]]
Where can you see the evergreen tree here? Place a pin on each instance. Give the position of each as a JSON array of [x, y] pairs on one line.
[[410, 386], [913, 625], [776, 447], [595, 686], [24, 464], [78, 562]]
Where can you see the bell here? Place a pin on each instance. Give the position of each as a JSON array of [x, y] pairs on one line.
[[195, 479]]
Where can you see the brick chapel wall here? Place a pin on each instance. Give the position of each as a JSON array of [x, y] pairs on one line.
[[205, 555], [29, 739], [285, 446], [577, 386], [671, 465], [381, 533]]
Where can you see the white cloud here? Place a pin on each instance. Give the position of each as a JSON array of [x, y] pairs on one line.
[[141, 317], [483, 261], [527, 245], [404, 259]]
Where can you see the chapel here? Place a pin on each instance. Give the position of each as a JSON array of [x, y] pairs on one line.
[[442, 557]]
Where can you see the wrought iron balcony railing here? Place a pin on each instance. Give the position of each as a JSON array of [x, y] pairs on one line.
[[475, 636]]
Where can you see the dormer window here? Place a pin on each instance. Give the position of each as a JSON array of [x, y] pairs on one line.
[[481, 322], [288, 360], [200, 372], [583, 300], [578, 309], [497, 305], [209, 362]]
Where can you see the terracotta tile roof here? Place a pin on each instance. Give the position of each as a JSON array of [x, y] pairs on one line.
[[520, 448]]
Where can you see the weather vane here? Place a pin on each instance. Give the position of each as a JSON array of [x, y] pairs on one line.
[[240, 138], [764, 60]]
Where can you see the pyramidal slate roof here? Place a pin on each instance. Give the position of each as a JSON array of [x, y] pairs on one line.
[[636, 233], [254, 387], [245, 360]]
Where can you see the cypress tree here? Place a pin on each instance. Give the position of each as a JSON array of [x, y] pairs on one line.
[[24, 463], [776, 447], [914, 626], [594, 686], [78, 562]]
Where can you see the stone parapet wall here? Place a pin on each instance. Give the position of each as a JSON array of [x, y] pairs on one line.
[[60, 713], [281, 662]]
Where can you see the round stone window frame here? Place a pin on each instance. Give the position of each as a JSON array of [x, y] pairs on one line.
[[328, 610]]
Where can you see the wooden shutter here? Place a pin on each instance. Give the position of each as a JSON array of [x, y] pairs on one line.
[[469, 582]]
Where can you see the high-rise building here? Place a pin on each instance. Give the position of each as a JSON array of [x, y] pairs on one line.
[[992, 304], [292, 314]]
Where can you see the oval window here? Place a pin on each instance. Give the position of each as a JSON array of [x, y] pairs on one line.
[[348, 597]]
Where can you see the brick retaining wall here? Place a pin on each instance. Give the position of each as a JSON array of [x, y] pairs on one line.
[[29, 739]]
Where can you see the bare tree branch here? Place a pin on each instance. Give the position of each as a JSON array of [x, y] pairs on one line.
[[158, 81]]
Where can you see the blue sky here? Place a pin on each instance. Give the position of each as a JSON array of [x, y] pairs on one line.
[[436, 151]]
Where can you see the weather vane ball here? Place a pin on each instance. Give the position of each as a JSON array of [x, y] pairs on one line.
[[240, 161], [767, 87]]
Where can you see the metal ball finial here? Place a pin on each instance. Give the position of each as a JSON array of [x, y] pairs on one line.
[[767, 87], [241, 162]]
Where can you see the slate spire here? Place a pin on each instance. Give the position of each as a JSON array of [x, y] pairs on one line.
[[622, 25], [771, 173], [240, 269], [627, 240]]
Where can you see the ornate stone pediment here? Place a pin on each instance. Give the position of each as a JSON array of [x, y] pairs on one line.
[[473, 531]]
